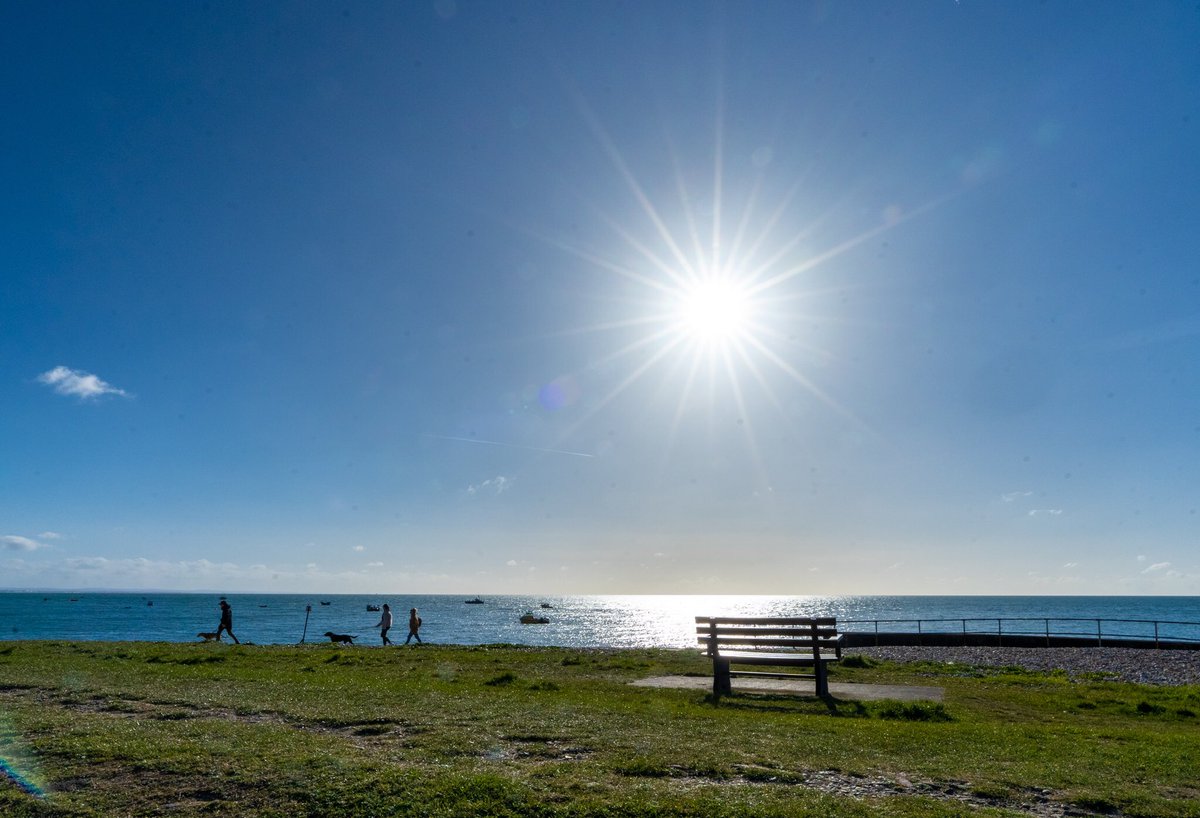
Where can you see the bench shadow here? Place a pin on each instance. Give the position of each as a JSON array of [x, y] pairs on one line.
[[787, 703]]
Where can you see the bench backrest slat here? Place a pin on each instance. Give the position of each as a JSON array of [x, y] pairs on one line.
[[800, 634], [772, 642], [795, 633], [767, 620]]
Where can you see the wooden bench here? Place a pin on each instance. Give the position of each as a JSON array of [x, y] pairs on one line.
[[769, 641]]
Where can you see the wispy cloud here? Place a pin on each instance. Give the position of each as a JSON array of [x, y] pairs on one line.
[[73, 382], [14, 542], [119, 572], [495, 485], [359, 548], [1071, 565], [1013, 496], [88, 563], [1156, 567], [1045, 512]]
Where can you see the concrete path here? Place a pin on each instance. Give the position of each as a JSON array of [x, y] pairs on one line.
[[801, 687]]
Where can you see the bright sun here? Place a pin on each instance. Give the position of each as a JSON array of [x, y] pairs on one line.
[[713, 312]]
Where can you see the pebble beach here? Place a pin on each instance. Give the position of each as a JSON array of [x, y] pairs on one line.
[[1155, 667]]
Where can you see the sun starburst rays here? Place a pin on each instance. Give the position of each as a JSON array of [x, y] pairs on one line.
[[716, 312]]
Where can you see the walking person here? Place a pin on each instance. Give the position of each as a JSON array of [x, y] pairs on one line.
[[226, 622], [414, 625], [385, 624]]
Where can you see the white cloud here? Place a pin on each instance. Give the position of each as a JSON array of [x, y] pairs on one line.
[[13, 542], [1071, 565], [49, 535], [359, 548], [66, 381], [511, 563], [1011, 496], [498, 484], [1158, 566], [374, 564], [1039, 512]]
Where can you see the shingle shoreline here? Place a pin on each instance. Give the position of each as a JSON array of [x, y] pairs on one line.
[[1156, 667]]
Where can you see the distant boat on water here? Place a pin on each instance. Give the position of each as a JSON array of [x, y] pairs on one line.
[[547, 605], [530, 619], [372, 607], [326, 603], [475, 601]]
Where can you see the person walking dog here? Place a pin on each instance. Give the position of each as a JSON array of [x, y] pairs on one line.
[[226, 625]]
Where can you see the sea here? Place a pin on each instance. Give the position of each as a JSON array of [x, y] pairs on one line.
[[573, 621]]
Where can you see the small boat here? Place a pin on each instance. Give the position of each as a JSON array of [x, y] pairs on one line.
[[475, 601], [149, 603], [372, 607], [547, 606], [326, 603], [530, 619]]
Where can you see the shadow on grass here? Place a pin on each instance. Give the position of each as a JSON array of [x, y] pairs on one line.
[[843, 708]]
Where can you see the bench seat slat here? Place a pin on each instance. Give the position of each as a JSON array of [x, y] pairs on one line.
[[772, 675], [757, 657]]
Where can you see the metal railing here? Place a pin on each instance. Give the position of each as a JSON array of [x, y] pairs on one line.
[[1159, 632]]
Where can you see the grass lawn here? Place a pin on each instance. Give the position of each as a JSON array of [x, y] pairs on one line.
[[110, 729]]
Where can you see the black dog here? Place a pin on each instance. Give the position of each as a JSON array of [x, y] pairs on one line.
[[344, 638]]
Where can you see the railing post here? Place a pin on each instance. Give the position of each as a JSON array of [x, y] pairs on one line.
[[920, 641], [1099, 635], [876, 633], [964, 624], [999, 633], [1047, 632], [1156, 633]]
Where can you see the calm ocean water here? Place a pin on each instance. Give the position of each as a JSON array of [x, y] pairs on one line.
[[575, 621]]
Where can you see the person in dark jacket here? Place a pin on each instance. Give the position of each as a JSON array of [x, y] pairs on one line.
[[226, 622]]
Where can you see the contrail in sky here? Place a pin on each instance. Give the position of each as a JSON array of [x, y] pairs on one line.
[[509, 445]]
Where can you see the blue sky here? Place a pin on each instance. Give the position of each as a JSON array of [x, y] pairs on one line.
[[470, 297]]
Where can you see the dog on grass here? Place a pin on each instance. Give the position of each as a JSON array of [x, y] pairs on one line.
[[344, 638], [208, 636]]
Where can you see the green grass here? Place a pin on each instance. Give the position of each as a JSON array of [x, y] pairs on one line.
[[151, 728]]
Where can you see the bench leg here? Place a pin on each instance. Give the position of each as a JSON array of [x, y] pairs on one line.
[[822, 675], [722, 686]]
